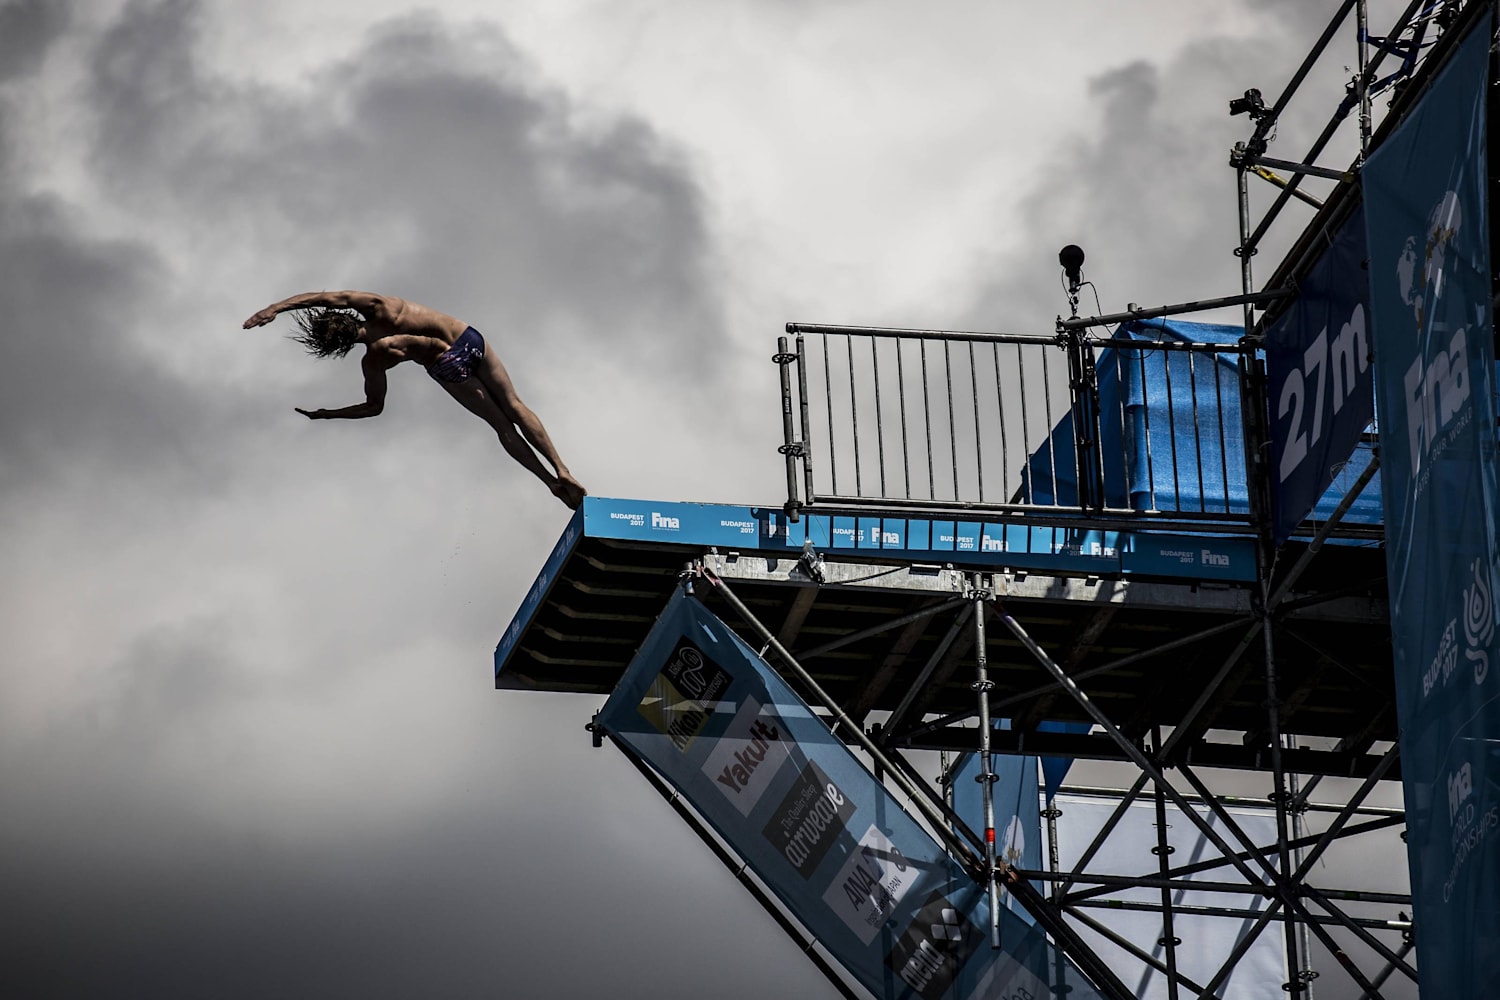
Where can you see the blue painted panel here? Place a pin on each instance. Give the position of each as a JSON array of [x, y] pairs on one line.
[[960, 542], [540, 587], [1198, 557]]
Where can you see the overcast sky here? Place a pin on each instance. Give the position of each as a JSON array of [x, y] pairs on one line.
[[249, 744]]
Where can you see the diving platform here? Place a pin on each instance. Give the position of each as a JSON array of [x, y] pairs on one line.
[[1161, 627]]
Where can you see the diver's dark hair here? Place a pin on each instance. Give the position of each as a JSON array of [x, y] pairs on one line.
[[328, 333]]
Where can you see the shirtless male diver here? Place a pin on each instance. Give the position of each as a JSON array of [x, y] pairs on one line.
[[394, 330]]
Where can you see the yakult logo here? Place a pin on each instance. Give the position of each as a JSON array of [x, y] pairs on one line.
[[748, 755], [1435, 390]]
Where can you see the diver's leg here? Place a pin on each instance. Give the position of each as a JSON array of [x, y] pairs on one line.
[[503, 391], [477, 400]]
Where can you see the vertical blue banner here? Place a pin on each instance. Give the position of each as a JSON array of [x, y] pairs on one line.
[[1018, 823], [1321, 393], [827, 838], [1426, 214], [1054, 769]]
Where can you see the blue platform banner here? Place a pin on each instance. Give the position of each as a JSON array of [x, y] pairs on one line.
[[879, 893], [1321, 390], [1426, 214]]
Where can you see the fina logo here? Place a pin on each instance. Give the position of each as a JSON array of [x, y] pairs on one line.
[[663, 521], [1435, 392], [1460, 787]]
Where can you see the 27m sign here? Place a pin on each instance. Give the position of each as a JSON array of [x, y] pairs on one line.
[[1313, 395], [1318, 359]]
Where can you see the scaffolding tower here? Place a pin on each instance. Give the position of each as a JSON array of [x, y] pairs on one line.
[[1072, 528]]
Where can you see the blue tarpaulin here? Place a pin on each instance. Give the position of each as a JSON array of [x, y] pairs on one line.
[[1170, 433]]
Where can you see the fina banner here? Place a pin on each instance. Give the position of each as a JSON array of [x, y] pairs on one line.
[[1321, 391], [815, 826], [1432, 328]]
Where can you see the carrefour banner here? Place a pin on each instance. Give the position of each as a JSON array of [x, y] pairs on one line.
[[880, 894], [1432, 331], [1318, 362]]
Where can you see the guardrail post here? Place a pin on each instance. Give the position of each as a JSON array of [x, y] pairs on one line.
[[791, 448], [1083, 380]]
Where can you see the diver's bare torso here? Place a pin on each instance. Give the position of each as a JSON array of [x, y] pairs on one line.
[[405, 331]]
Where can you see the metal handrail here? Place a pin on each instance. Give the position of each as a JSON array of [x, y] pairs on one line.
[[997, 426]]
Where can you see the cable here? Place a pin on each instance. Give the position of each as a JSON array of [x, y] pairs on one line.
[[1098, 306], [874, 576]]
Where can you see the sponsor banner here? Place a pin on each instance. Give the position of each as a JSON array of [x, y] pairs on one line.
[[748, 755], [874, 879], [1427, 220], [965, 543], [1321, 390], [809, 820], [1201, 557], [693, 524], [837, 849]]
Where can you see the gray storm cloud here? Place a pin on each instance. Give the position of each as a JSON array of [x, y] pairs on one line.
[[405, 169], [232, 763], [1145, 186], [27, 30], [247, 741], [432, 161]]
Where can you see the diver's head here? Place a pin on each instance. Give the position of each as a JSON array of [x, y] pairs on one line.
[[329, 333]]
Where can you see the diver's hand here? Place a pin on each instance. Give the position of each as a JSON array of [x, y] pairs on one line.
[[261, 318]]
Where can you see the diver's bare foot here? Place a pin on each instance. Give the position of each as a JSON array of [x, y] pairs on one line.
[[569, 490]]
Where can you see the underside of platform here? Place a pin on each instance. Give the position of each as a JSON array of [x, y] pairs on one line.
[[881, 629]]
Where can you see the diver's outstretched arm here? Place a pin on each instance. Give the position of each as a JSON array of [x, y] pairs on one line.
[[375, 387], [367, 304]]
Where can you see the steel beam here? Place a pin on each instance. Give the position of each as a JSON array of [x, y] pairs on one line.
[[1201, 305], [1126, 945], [1212, 863], [1225, 756]]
